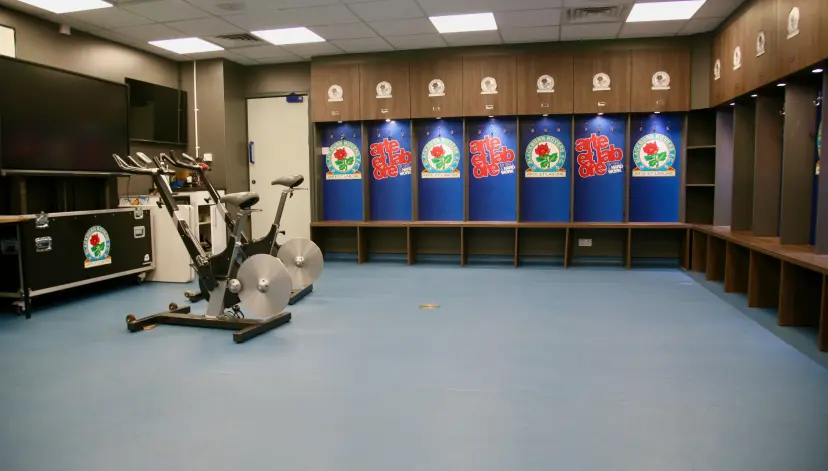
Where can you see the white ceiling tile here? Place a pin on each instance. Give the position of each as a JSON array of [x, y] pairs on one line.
[[284, 4], [418, 41], [315, 16], [590, 31], [313, 49], [452, 7], [267, 51], [599, 3], [651, 29], [363, 45], [347, 31], [154, 32], [165, 10], [387, 10], [110, 18], [477, 38], [700, 25], [528, 18], [205, 27], [527, 35], [222, 8], [78, 24], [718, 8], [404, 27], [513, 5]]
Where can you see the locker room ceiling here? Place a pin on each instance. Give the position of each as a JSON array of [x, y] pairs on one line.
[[359, 26]]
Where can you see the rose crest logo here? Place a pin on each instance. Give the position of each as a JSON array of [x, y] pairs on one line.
[[545, 157], [343, 161], [96, 247], [440, 158], [654, 155]]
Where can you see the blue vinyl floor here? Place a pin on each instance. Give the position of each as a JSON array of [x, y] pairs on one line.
[[529, 369]]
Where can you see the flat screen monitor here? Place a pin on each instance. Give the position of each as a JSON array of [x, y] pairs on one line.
[[57, 121], [157, 114]]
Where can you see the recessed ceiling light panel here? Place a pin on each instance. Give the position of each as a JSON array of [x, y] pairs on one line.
[[464, 23], [664, 11], [284, 36], [187, 45], [67, 6]]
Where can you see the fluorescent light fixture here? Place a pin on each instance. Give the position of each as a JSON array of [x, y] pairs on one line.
[[67, 6], [186, 45], [754, 95], [817, 71], [464, 23], [664, 11], [289, 36], [780, 84]]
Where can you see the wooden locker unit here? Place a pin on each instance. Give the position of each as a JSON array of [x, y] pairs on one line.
[[532, 97], [660, 80], [587, 66], [759, 56], [384, 88], [735, 46], [717, 65], [476, 69], [798, 41], [334, 93], [427, 102]]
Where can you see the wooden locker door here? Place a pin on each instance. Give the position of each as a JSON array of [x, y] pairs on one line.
[[334, 93], [544, 84], [499, 97], [592, 95], [717, 65], [759, 56], [733, 64], [385, 91], [798, 34], [660, 80], [437, 88]]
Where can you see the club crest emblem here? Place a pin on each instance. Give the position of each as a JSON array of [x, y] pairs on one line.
[[760, 43], [546, 84], [654, 155], [717, 69], [737, 58], [488, 86], [793, 22], [383, 90], [601, 82], [545, 157], [440, 158], [661, 80], [96, 247], [343, 160], [335, 93], [436, 88]]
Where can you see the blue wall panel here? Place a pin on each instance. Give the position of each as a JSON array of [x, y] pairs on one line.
[[493, 177], [547, 168], [440, 150], [342, 159], [655, 166], [389, 147], [599, 184]]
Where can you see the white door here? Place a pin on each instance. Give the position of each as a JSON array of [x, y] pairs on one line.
[[278, 134]]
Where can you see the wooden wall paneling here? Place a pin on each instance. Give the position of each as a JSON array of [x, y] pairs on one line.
[[410, 249], [568, 248], [699, 252], [735, 47], [798, 164], [744, 122], [722, 200], [335, 93], [715, 263], [431, 103], [587, 66], [798, 34], [763, 285], [717, 66], [821, 242], [384, 88], [800, 296], [532, 97], [648, 93], [737, 268], [501, 68], [767, 166], [759, 55]]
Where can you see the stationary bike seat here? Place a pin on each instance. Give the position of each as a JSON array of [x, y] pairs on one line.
[[290, 181], [244, 199]]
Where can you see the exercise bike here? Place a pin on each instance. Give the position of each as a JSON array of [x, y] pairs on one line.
[[261, 282], [302, 258]]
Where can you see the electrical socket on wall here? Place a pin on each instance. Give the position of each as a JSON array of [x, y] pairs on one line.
[[208, 157], [584, 242]]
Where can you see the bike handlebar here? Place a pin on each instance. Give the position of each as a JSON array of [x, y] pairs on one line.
[[139, 168]]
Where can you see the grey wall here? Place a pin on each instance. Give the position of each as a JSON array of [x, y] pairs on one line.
[[235, 126], [208, 94], [276, 79]]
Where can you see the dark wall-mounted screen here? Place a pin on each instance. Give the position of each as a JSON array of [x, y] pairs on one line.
[[156, 113], [53, 120]]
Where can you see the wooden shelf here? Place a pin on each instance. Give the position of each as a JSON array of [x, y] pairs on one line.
[[709, 146], [701, 185]]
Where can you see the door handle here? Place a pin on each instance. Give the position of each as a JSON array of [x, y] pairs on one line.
[[250, 152]]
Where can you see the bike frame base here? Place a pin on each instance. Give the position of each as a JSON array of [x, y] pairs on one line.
[[245, 329], [297, 294]]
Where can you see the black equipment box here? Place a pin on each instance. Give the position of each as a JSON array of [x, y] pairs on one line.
[[52, 252]]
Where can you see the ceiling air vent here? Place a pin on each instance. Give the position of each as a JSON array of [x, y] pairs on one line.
[[594, 14], [235, 41], [239, 37]]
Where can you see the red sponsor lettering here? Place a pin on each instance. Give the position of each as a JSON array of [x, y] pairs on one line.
[[594, 153], [387, 157], [487, 156]]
